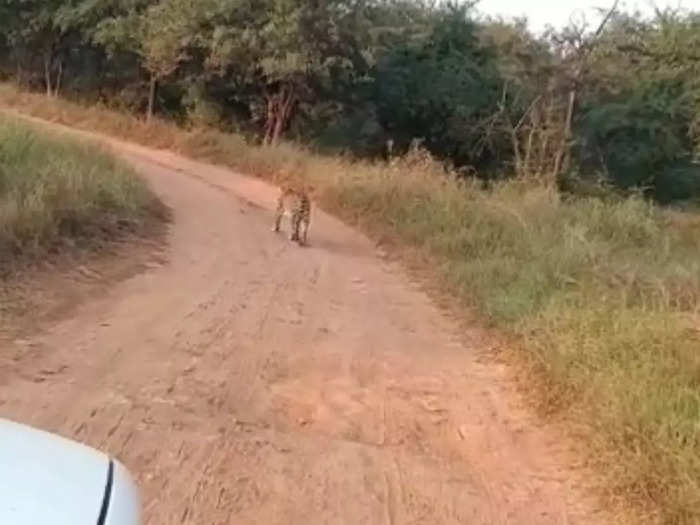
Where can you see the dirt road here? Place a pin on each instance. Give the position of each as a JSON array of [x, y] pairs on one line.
[[246, 380]]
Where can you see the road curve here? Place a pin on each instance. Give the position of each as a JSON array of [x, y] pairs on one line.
[[246, 380]]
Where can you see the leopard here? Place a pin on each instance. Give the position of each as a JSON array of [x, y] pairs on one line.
[[294, 198]]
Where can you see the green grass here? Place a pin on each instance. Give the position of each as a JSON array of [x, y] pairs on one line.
[[603, 295], [58, 194]]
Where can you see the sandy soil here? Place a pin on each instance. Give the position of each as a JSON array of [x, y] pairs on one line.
[[246, 380]]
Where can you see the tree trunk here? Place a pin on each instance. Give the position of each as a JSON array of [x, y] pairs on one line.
[[566, 163], [562, 159], [20, 73], [59, 78], [152, 89], [277, 131], [288, 101], [280, 108], [270, 122], [550, 125], [47, 73], [522, 167], [534, 125], [516, 152]]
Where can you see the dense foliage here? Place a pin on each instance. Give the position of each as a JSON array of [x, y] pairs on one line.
[[369, 76]]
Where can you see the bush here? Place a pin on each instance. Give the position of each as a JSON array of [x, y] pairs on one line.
[[643, 139]]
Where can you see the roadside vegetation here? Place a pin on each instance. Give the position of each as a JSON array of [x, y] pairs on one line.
[[543, 177], [57, 195]]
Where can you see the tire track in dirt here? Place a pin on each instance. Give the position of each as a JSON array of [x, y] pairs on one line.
[[246, 380]]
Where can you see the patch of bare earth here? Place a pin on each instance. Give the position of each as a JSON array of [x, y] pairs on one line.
[[246, 380], [41, 293]]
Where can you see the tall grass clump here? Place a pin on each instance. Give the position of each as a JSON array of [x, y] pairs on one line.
[[602, 293], [57, 193]]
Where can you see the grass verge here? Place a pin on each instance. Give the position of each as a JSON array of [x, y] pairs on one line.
[[58, 195], [604, 295]]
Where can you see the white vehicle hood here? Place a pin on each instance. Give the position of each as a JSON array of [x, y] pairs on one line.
[[46, 479]]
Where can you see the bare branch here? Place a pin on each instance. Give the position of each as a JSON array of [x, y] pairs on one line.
[[606, 19], [527, 112]]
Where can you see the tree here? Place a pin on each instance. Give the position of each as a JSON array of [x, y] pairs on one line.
[[442, 89], [641, 130], [159, 34], [37, 26], [289, 49], [575, 47], [530, 106]]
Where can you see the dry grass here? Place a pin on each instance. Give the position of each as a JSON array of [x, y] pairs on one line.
[[57, 194], [604, 295]]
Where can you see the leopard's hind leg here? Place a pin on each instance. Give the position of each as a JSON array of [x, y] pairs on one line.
[[296, 221], [304, 218], [305, 222], [279, 213]]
